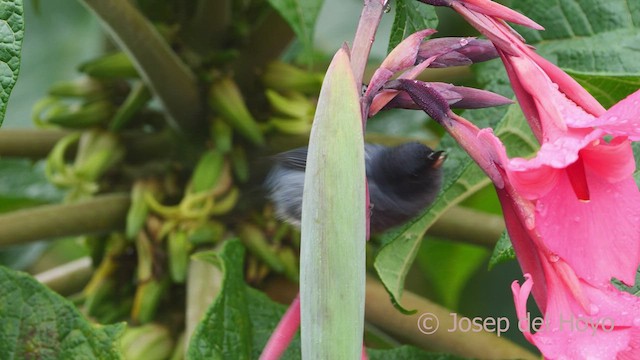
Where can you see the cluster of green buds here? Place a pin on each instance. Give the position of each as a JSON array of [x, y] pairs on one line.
[[272, 246], [288, 90], [171, 216], [97, 151], [93, 107], [108, 95]]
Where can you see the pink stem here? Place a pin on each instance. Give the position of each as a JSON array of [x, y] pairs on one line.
[[365, 35], [284, 332]]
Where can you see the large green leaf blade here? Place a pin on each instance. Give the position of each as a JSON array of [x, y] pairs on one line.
[[11, 35], [301, 15], [607, 89], [39, 324], [225, 331], [23, 183], [599, 37], [410, 16], [333, 229]]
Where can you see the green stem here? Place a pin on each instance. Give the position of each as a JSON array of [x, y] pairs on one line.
[[209, 25], [260, 50], [380, 312], [34, 144], [100, 214], [470, 226], [169, 78], [69, 278]]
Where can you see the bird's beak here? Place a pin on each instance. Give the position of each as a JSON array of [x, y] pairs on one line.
[[440, 157]]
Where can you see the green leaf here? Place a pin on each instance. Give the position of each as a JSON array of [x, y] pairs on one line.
[[599, 37], [503, 251], [408, 353], [633, 290], [225, 331], [40, 324], [410, 16], [636, 154], [301, 15], [607, 89], [11, 34], [435, 258], [241, 319], [23, 183], [333, 229]]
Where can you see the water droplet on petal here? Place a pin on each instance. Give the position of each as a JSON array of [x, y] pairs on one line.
[[542, 209], [554, 258], [594, 309], [545, 340], [464, 42], [613, 118]]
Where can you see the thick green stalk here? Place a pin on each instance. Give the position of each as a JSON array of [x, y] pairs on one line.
[[97, 215], [332, 254], [37, 143], [169, 78], [209, 25], [261, 50], [470, 226], [28, 143], [432, 327]]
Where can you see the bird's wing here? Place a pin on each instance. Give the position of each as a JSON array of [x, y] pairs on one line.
[[297, 158], [294, 159]]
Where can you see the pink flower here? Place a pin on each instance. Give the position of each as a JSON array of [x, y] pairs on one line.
[[573, 210]]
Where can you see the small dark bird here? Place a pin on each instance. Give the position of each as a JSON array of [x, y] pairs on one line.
[[403, 181]]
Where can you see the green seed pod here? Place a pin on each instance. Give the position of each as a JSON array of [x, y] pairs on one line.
[[112, 66], [208, 171], [178, 248], [226, 99]]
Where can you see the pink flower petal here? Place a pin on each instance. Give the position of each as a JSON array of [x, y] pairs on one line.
[[494, 9], [607, 330], [404, 55], [612, 161], [623, 119], [520, 296], [524, 244], [566, 84], [599, 239]]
